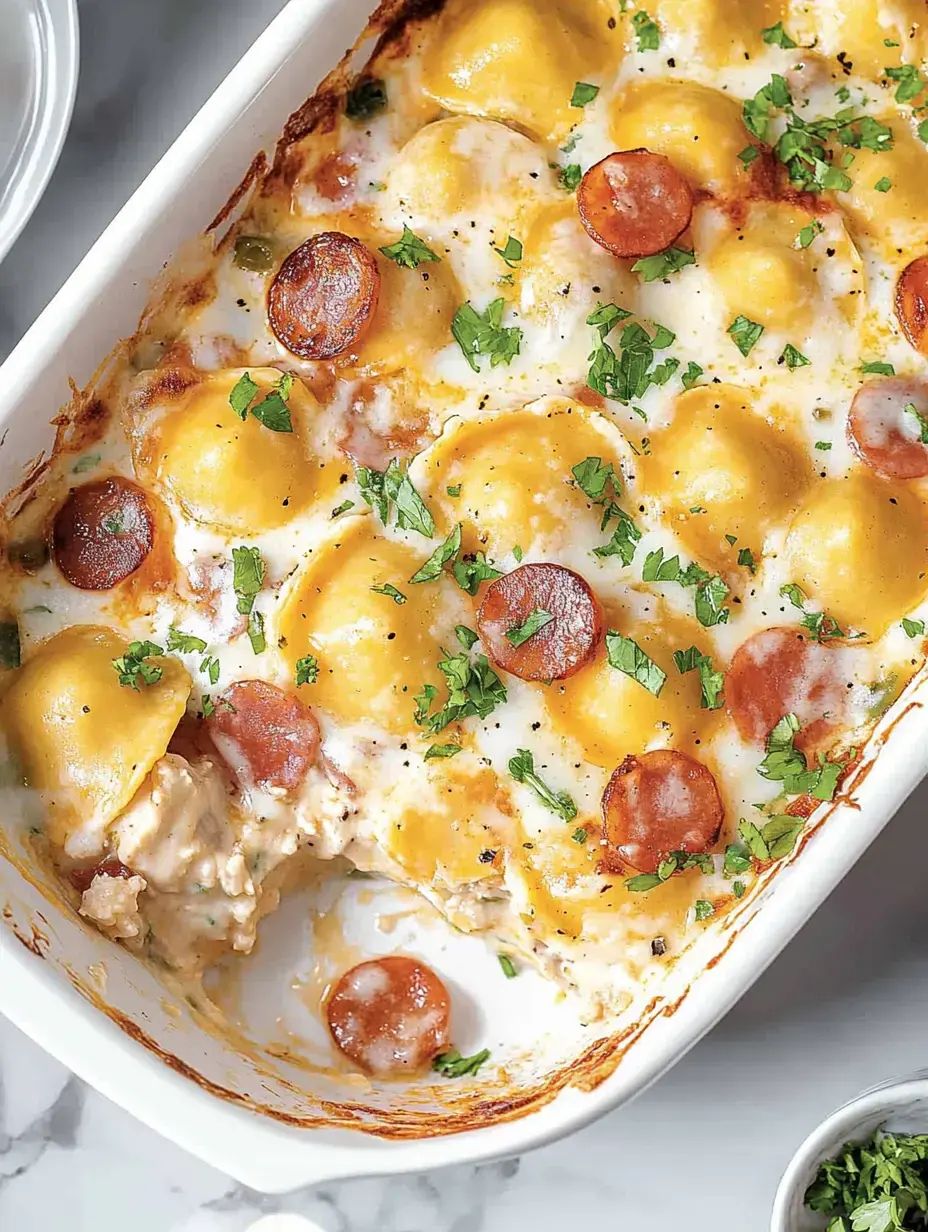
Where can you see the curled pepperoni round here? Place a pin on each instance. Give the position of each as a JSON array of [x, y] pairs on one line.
[[912, 303], [657, 803], [390, 1015], [884, 427], [82, 878], [324, 295], [102, 533], [778, 672], [540, 622], [634, 203], [268, 737]]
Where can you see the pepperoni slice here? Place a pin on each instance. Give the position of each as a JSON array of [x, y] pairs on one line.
[[557, 603], [634, 203], [884, 433], [82, 878], [912, 303], [324, 295], [268, 737], [102, 533], [657, 803], [778, 672], [390, 1015]]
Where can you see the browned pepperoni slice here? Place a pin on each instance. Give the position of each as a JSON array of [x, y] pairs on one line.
[[634, 203], [884, 433], [267, 736], [324, 295], [102, 533], [657, 803], [558, 601], [912, 303], [82, 878], [390, 1015], [778, 672]]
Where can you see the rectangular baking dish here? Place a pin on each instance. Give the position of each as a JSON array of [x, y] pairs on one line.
[[270, 1123]]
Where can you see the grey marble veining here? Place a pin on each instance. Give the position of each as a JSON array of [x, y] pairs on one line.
[[842, 1009]]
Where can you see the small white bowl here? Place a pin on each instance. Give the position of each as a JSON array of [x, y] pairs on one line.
[[901, 1105]]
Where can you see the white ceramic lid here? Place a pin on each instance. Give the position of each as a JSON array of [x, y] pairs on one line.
[[38, 78]]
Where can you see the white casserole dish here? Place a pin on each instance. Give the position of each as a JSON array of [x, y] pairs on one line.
[[277, 1126]]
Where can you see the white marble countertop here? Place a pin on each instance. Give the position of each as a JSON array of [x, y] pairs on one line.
[[842, 1009]]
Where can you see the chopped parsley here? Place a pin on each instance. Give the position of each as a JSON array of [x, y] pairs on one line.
[[522, 769], [583, 93], [663, 263], [776, 36], [472, 570], [511, 253], [913, 628], [921, 421], [210, 668], [473, 689], [748, 154], [272, 410], [467, 637], [883, 184], [114, 524], [391, 592], [133, 666], [823, 446], [710, 590], [745, 334], [691, 375], [808, 234], [673, 862], [773, 840], [794, 358], [570, 176], [710, 681], [391, 491], [307, 670], [436, 752], [602, 486], [746, 559], [248, 574], [365, 99], [579, 836], [823, 628], [440, 557], [452, 1065], [629, 375], [703, 909], [909, 82], [253, 253], [409, 251], [10, 655], [86, 463], [737, 860], [876, 367], [453, 490], [626, 656], [786, 764], [508, 966], [647, 32], [342, 508], [483, 333], [878, 1185], [184, 643], [533, 623]]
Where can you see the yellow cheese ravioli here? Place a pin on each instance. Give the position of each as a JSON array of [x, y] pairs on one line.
[[81, 738]]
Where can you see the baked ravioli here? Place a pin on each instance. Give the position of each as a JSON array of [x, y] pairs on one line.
[[525, 499]]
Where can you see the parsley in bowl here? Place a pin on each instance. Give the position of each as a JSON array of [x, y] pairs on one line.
[[864, 1169]]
